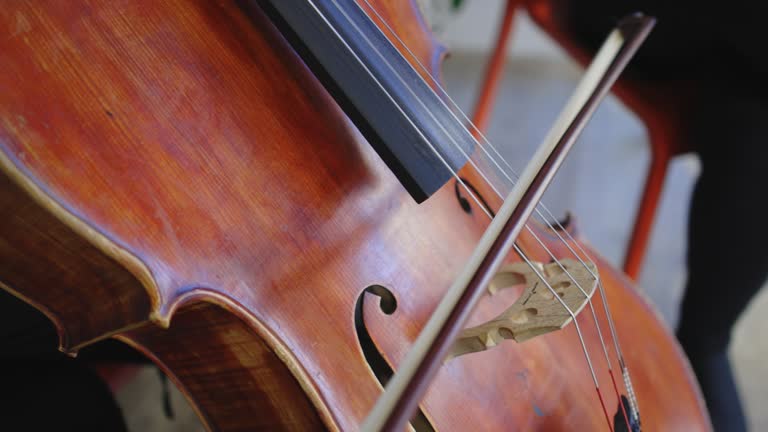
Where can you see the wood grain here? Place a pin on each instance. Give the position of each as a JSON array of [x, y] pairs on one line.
[[193, 141], [245, 388], [62, 274]]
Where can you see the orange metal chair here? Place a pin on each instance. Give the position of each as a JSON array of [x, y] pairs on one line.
[[659, 107]]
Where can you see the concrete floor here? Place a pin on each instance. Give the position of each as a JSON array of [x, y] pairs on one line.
[[600, 184]]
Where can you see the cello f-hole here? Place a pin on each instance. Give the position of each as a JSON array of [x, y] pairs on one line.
[[376, 361], [464, 203]]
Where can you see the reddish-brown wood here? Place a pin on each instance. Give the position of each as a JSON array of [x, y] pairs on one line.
[[244, 387], [61, 273], [208, 184]]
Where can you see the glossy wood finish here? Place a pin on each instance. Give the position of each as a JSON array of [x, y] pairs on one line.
[[190, 146], [61, 273], [399, 114], [245, 385]]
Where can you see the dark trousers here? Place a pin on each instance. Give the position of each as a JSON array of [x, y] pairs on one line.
[[721, 49]]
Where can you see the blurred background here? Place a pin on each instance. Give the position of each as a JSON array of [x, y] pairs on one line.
[[600, 184]]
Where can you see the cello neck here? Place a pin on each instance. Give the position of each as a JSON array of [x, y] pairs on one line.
[[401, 116]]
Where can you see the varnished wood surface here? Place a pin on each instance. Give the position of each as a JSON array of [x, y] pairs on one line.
[[199, 145], [62, 274], [244, 387]]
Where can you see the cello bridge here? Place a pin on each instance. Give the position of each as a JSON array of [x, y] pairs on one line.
[[537, 311]]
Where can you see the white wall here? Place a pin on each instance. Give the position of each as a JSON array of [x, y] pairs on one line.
[[474, 27]]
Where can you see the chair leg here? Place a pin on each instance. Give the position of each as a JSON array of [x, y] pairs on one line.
[[493, 71], [646, 212]]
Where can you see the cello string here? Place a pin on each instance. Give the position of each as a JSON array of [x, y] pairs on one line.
[[634, 407], [485, 178], [520, 252], [578, 332], [472, 162], [466, 120], [571, 239], [500, 169], [452, 140], [399, 108], [625, 372], [474, 165], [542, 218], [635, 410], [542, 244]]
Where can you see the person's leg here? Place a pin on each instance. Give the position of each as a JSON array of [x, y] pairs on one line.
[[727, 257], [727, 254]]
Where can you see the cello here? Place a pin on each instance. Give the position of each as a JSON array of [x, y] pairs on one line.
[[228, 187]]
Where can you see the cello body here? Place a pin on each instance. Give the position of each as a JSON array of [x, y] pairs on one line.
[[173, 176]]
